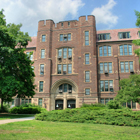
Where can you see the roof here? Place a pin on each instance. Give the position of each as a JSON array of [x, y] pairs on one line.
[[32, 43]]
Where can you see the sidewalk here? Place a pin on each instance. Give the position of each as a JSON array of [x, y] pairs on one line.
[[16, 120]]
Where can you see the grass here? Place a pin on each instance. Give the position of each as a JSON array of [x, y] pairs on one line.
[[44, 130], [13, 116]]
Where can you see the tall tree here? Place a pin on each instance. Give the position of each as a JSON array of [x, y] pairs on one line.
[[16, 74]]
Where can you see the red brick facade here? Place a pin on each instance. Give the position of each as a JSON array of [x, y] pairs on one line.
[[77, 30]]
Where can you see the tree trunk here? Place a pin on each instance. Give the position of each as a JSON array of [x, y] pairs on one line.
[[1, 103]]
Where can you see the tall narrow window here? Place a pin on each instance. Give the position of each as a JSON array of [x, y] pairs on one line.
[[64, 53], [105, 67], [121, 50], [106, 85], [43, 38], [131, 65], [69, 37], [60, 52], [40, 102], [61, 37], [101, 67], [87, 91], [64, 69], [125, 50], [65, 87], [105, 50], [86, 38], [101, 51], [101, 85], [42, 69], [122, 66], [109, 51], [110, 67], [41, 86], [130, 49], [69, 52], [87, 76], [69, 68], [42, 53], [126, 67], [87, 58], [59, 69]]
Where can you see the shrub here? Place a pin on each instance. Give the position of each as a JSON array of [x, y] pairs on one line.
[[113, 105], [25, 110], [5, 108]]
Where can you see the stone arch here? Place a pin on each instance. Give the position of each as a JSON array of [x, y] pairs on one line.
[[63, 81]]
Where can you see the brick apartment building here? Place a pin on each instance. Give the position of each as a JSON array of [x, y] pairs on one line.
[[75, 64]]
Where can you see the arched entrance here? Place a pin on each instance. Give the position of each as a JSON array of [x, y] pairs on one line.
[[71, 103], [58, 104]]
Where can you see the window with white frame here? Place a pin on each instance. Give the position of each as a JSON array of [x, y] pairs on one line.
[[105, 36], [65, 37], [106, 85], [125, 49], [87, 91], [105, 51], [126, 66], [41, 86], [43, 38], [41, 69], [42, 53], [87, 58], [123, 35], [86, 38], [87, 76], [106, 67]]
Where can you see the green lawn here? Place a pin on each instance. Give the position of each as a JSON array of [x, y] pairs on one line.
[[43, 130], [13, 116]]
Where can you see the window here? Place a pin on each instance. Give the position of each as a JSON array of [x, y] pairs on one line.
[[67, 53], [87, 58], [41, 86], [86, 38], [62, 24], [105, 51], [87, 91], [106, 86], [65, 37], [106, 67], [65, 88], [31, 56], [65, 68], [25, 101], [126, 66], [105, 100], [130, 104], [64, 53], [40, 102], [43, 53], [87, 76], [59, 69], [42, 69], [105, 36], [125, 50], [43, 38], [123, 35], [32, 68], [68, 23]]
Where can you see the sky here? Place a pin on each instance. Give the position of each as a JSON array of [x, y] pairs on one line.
[[109, 14]]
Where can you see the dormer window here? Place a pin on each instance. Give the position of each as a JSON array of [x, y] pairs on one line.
[[123, 35], [65, 37], [105, 36]]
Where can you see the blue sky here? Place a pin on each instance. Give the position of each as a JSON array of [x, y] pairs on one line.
[[109, 14]]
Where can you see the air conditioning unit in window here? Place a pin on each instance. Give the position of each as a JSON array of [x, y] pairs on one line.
[[69, 57], [106, 72], [69, 91], [131, 71], [64, 72], [60, 91], [59, 57]]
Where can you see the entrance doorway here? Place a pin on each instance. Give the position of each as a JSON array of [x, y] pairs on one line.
[[71, 104], [58, 104]]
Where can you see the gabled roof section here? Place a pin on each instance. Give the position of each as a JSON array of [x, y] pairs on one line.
[[32, 43]]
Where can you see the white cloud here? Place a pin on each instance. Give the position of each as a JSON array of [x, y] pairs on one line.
[[29, 12], [104, 15]]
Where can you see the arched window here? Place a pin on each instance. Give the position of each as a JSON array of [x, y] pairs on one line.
[[65, 88]]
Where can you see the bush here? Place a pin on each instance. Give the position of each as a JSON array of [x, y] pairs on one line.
[[25, 110], [113, 105], [5, 108], [121, 117]]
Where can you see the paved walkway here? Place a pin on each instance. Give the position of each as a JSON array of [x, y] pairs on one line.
[[16, 120]]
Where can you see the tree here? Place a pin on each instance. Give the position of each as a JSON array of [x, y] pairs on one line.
[[16, 74], [129, 89]]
